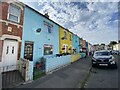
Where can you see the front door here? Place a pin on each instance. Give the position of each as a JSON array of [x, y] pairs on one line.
[[66, 48], [10, 52], [28, 52]]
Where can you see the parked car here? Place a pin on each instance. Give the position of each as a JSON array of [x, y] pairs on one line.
[[103, 58], [117, 52]]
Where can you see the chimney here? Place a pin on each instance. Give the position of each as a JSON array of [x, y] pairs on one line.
[[46, 15]]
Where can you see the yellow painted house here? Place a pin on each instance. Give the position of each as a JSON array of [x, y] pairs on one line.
[[65, 41]]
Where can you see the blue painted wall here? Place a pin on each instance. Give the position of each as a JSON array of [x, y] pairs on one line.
[[33, 21], [75, 43], [56, 62]]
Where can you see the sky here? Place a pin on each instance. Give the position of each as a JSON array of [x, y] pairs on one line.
[[96, 21]]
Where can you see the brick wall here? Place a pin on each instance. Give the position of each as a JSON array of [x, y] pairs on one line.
[[5, 7], [16, 31], [1, 42], [0, 10], [19, 50], [4, 10]]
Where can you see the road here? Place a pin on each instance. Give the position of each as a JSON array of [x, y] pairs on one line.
[[103, 77]]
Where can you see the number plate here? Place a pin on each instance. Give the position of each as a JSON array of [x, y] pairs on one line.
[[103, 64]]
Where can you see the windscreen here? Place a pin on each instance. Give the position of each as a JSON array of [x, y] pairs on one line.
[[102, 53]]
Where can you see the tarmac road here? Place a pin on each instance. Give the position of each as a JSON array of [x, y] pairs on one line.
[[104, 77]]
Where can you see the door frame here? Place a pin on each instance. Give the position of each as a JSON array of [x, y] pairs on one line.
[[31, 42], [3, 52]]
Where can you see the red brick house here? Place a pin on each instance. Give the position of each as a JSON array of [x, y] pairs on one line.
[[11, 24]]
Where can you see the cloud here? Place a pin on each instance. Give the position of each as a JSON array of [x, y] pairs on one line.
[[94, 21]]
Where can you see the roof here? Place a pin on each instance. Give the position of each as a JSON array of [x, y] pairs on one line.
[[47, 18]]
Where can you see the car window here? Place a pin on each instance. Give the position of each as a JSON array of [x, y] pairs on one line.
[[102, 54]]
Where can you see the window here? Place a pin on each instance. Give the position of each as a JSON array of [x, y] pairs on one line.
[[14, 13], [28, 50], [7, 50], [49, 26], [65, 35], [102, 53], [48, 49], [49, 29], [12, 50], [70, 37]]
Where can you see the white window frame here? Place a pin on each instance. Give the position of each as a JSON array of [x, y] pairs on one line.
[[66, 45], [18, 21], [48, 46]]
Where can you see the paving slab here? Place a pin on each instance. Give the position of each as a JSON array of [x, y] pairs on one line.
[[67, 77]]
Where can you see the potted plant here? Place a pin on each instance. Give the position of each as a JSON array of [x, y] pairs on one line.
[[42, 62], [38, 65]]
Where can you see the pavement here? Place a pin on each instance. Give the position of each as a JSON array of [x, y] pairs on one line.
[[104, 77], [70, 76]]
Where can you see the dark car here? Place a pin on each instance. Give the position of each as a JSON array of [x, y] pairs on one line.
[[103, 58]]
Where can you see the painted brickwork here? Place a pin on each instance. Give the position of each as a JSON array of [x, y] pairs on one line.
[[39, 39]]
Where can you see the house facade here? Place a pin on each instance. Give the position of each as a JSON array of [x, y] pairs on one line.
[[83, 45], [90, 49], [116, 46], [65, 41], [40, 36], [75, 43], [11, 24], [87, 48]]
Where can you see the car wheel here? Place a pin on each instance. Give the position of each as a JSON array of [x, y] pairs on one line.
[[93, 65], [114, 66]]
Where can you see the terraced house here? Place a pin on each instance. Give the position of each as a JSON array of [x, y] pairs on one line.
[[65, 41], [75, 43], [11, 24], [40, 36]]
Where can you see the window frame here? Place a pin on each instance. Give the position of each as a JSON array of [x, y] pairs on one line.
[[8, 16], [48, 25], [65, 35], [44, 49], [70, 37]]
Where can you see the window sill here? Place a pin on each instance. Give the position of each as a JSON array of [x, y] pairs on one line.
[[13, 21]]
